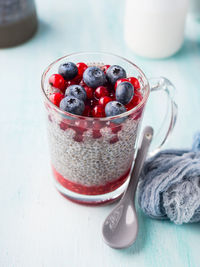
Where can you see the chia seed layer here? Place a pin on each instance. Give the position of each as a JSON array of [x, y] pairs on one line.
[[92, 162]]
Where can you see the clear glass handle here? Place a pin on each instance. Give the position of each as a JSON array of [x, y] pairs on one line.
[[169, 118]]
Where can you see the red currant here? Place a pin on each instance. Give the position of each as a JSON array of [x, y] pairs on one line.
[[89, 92], [112, 95], [120, 81], [104, 100], [82, 83], [87, 112], [105, 68], [55, 98], [57, 81], [134, 82], [68, 83], [81, 68], [134, 102], [101, 91], [98, 111]]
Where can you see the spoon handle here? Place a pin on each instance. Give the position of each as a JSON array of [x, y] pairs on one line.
[[139, 161]]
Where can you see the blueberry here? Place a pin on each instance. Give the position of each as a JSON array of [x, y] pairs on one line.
[[114, 108], [94, 77], [124, 92], [77, 91], [72, 105], [115, 73], [68, 70]]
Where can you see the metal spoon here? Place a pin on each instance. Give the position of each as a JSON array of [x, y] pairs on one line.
[[121, 226]]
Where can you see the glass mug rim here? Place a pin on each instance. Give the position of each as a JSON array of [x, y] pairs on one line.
[[125, 114]]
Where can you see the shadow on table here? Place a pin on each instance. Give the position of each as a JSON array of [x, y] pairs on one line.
[[141, 241], [43, 29], [189, 47]]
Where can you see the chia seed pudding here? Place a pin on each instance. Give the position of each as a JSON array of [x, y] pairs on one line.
[[90, 156]]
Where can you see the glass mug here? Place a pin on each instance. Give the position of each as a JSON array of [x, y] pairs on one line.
[[91, 158]]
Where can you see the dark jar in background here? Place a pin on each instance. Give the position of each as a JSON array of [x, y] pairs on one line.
[[18, 21]]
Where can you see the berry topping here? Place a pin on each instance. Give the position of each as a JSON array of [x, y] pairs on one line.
[[124, 92], [77, 91], [134, 102], [81, 68], [114, 108], [134, 82], [98, 111], [104, 100], [101, 91], [115, 73], [55, 98], [105, 68], [120, 81], [87, 111], [72, 105], [89, 92], [57, 81], [94, 77], [68, 83], [68, 70]]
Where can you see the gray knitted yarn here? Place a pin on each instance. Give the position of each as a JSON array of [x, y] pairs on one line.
[[170, 185]]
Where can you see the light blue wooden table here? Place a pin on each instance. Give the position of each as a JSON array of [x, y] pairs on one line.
[[38, 227]]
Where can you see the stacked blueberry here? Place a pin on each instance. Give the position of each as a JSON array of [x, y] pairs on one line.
[[94, 91]]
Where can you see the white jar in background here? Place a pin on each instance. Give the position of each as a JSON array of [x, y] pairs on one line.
[[195, 8], [155, 28]]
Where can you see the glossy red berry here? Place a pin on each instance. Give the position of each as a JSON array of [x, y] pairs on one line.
[[55, 98], [82, 83], [98, 111], [87, 111], [105, 68], [134, 82], [68, 83], [101, 91], [112, 95], [57, 81], [89, 92], [104, 100], [134, 102], [81, 68], [120, 81]]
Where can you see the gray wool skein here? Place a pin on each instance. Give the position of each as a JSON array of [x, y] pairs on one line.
[[169, 187]]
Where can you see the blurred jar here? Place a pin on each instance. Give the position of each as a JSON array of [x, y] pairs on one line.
[[155, 28], [195, 8], [18, 21]]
